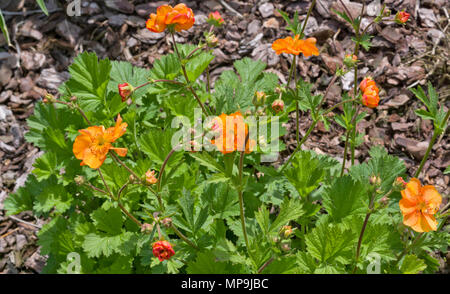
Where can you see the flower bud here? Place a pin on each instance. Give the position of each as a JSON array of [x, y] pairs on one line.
[[399, 184], [286, 231], [150, 177], [167, 222], [402, 17], [374, 180], [211, 40], [215, 19], [49, 98], [73, 98], [125, 91], [146, 228], [278, 105], [79, 180], [285, 247], [350, 60], [384, 201], [259, 98], [132, 179]]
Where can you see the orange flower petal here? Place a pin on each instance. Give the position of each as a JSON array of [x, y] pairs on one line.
[[411, 219], [428, 222], [120, 151], [407, 207], [431, 195]]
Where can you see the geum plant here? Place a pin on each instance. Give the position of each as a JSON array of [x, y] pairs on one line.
[[182, 182]]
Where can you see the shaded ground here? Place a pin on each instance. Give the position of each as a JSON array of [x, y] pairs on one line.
[[402, 57]]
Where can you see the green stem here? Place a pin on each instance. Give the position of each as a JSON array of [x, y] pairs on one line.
[[183, 237], [307, 17], [241, 198], [436, 133], [183, 67], [366, 220], [297, 122], [294, 61]]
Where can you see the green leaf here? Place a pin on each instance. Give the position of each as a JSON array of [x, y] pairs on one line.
[[447, 170], [157, 144], [411, 264], [221, 199], [55, 238], [52, 197], [305, 173], [233, 92], [282, 265], [124, 72], [46, 166], [4, 28], [89, 80], [166, 68], [291, 209], [41, 4], [108, 221], [382, 165], [206, 263], [195, 216], [344, 197], [329, 243], [207, 160], [198, 63]]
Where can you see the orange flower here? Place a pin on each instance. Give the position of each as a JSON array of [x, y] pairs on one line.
[[295, 46], [150, 177], [179, 17], [163, 250], [418, 206], [231, 140], [368, 81], [94, 143], [402, 17], [370, 97], [215, 19]]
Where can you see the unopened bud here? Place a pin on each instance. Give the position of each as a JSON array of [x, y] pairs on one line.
[[132, 179], [399, 184], [79, 180], [73, 98], [285, 247], [167, 222], [286, 231], [50, 98], [278, 105], [259, 98], [146, 228], [374, 180], [350, 60], [384, 201], [212, 40]]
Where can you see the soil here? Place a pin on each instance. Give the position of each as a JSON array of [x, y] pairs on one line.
[[401, 57]]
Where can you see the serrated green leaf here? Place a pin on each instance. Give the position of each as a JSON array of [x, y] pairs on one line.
[[344, 197], [52, 197], [108, 221], [46, 166], [206, 263], [329, 243], [89, 80], [411, 264]]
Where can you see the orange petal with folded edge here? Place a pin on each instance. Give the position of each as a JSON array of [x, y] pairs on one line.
[[411, 219], [120, 151], [407, 207]]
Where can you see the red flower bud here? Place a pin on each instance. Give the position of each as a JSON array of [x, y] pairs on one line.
[[215, 19], [125, 91], [278, 105], [402, 17], [163, 250]]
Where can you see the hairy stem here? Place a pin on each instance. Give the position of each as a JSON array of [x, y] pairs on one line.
[[183, 237], [436, 133], [183, 67]]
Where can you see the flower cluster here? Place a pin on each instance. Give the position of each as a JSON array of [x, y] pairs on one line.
[[163, 250], [179, 18], [370, 91], [418, 206], [94, 143], [233, 132]]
